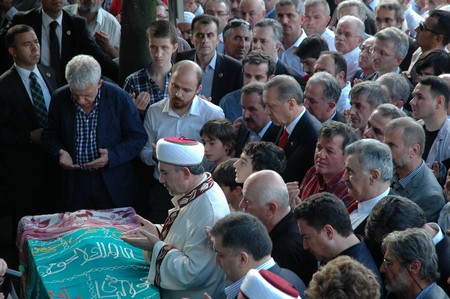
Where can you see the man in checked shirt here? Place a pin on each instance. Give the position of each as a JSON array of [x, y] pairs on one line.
[[150, 84]]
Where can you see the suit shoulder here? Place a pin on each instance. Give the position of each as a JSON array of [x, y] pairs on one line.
[[230, 61], [185, 55]]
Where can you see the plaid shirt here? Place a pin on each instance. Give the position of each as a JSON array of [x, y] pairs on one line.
[[142, 81], [86, 134]]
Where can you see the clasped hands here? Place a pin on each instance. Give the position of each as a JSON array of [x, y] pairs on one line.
[[144, 237]]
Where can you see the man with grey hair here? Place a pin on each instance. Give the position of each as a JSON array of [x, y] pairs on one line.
[[398, 88], [354, 8], [267, 37], [266, 197], [391, 47], [94, 131], [252, 10], [283, 98], [364, 98], [317, 17], [410, 265], [103, 26], [412, 178], [321, 96], [368, 175], [290, 14], [237, 38], [378, 120], [349, 36]]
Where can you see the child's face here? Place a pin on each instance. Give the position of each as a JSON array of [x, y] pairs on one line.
[[215, 150], [243, 168]]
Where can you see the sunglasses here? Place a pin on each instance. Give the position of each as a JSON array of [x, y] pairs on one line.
[[422, 27], [237, 23]]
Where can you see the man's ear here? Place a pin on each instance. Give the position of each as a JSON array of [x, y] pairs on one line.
[[375, 175], [12, 51]]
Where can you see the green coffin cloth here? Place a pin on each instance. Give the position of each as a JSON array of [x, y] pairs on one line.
[[87, 263]]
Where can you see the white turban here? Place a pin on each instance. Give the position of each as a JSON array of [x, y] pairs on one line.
[[180, 151], [265, 284]]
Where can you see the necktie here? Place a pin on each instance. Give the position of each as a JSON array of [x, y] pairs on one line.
[[54, 48], [38, 100], [283, 138]]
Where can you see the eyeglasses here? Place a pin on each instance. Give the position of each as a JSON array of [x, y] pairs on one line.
[[234, 23], [382, 54], [422, 27]]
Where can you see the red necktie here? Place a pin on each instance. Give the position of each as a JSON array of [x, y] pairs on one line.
[[353, 206], [283, 138]]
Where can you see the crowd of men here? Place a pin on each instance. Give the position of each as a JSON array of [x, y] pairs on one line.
[[340, 140]]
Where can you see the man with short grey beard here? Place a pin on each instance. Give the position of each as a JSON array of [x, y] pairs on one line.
[[104, 26]]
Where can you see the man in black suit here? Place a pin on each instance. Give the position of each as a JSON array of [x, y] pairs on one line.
[[283, 98], [73, 38], [221, 73], [30, 174], [255, 125]]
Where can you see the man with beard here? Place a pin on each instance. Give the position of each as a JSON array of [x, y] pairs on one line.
[[412, 178], [103, 26], [410, 265], [183, 113]]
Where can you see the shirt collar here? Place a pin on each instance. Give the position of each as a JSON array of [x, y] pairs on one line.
[[367, 206], [439, 234], [46, 19], [290, 128], [264, 130]]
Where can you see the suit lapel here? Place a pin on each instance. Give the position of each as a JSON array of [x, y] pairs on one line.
[[49, 78], [23, 96], [218, 75]]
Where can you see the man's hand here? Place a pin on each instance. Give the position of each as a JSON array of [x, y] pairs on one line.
[[208, 235], [294, 191], [103, 41], [140, 238], [141, 101], [66, 162], [36, 135], [237, 123], [204, 98], [147, 225], [100, 162]]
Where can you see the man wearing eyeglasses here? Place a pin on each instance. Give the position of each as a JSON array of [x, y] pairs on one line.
[[432, 33], [348, 37], [391, 46]]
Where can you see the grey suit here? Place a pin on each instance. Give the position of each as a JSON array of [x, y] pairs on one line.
[[425, 191]]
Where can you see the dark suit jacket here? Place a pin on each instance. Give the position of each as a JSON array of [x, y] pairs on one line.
[[290, 277], [26, 165], [339, 117], [300, 148], [282, 69], [443, 254], [227, 74], [76, 39], [272, 134], [412, 46], [119, 130]]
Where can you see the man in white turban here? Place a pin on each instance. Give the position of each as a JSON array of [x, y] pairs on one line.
[[182, 263]]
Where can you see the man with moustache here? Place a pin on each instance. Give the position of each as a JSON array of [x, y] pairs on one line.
[[183, 113]]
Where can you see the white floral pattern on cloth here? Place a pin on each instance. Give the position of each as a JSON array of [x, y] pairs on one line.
[[51, 226]]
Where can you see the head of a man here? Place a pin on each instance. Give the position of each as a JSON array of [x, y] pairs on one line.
[[410, 261], [321, 96], [162, 11], [406, 138], [162, 42], [348, 276], [237, 37], [23, 45], [397, 87], [241, 243], [393, 213], [309, 51], [252, 10], [323, 221], [365, 59], [389, 13], [378, 120], [267, 37], [257, 66], [349, 34], [83, 74], [184, 84], [329, 159], [351, 8], [266, 197], [53, 8], [218, 9], [185, 26], [89, 6], [258, 156], [333, 63], [317, 16], [283, 97], [368, 169], [291, 14], [234, 8], [430, 99], [364, 98], [253, 108], [205, 35], [433, 62], [391, 46], [179, 163], [434, 31]]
